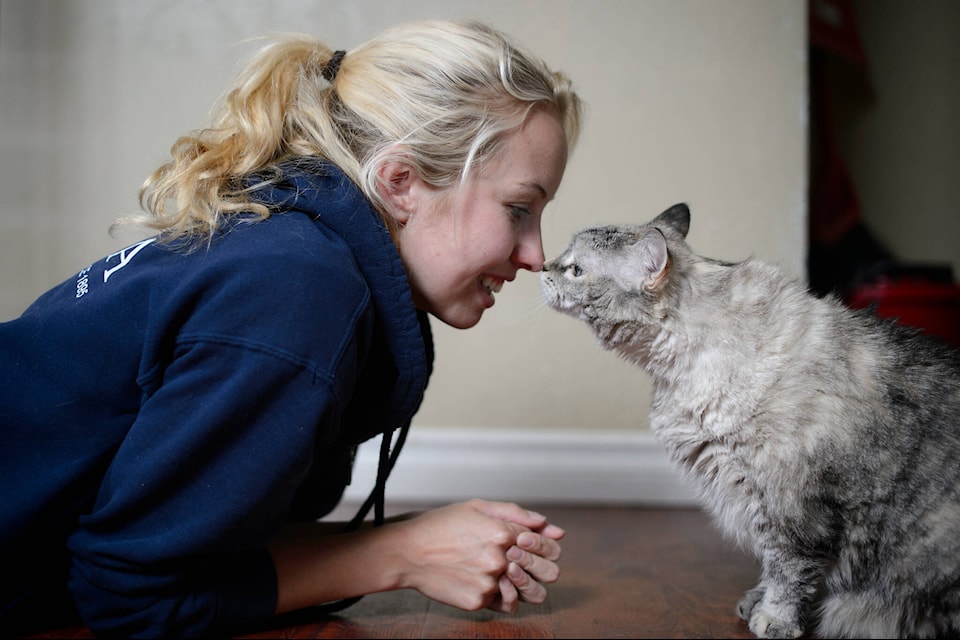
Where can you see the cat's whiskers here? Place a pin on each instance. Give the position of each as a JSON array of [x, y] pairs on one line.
[[531, 314]]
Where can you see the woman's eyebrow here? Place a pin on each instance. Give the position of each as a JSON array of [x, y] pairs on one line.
[[536, 187]]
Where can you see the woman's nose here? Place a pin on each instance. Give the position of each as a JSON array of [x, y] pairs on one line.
[[528, 253]]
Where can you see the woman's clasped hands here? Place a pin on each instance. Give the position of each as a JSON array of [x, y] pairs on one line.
[[480, 554]]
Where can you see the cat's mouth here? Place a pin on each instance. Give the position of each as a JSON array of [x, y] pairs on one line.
[[549, 292]]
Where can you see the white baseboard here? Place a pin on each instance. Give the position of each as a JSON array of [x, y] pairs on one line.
[[526, 466]]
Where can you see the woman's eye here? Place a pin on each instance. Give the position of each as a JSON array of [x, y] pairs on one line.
[[518, 212]]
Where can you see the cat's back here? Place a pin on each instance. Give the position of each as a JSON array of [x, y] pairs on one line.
[[758, 309], [772, 334], [763, 325], [765, 361]]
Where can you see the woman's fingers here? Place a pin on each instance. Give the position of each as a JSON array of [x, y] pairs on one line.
[[510, 512], [539, 545], [539, 568], [509, 601], [528, 589]]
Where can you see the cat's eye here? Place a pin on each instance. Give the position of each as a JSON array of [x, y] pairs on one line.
[[574, 270]]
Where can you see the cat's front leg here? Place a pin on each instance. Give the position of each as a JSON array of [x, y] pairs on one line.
[[749, 601], [777, 607], [775, 621], [770, 623]]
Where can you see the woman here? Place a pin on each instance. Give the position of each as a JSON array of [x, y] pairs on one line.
[[177, 416]]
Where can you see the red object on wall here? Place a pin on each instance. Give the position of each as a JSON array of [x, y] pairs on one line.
[[933, 307]]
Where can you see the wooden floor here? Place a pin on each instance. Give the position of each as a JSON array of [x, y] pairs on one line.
[[625, 573]]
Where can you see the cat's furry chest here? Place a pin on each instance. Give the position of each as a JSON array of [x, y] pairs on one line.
[[736, 405], [736, 464]]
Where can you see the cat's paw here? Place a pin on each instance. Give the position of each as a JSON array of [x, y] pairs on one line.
[[765, 626], [748, 602]]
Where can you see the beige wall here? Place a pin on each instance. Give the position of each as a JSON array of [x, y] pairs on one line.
[[689, 100]]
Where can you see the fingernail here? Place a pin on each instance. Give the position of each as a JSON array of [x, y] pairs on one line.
[[514, 553], [526, 540]]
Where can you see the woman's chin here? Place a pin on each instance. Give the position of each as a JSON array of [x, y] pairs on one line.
[[464, 312], [461, 318]]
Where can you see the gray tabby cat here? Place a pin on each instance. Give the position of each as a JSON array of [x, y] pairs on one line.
[[825, 441]]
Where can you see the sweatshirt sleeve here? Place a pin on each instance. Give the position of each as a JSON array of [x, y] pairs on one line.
[[176, 542]]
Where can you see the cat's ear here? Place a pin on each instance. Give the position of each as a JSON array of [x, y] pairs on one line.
[[652, 258], [677, 218]]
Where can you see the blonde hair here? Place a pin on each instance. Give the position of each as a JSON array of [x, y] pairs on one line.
[[437, 95]]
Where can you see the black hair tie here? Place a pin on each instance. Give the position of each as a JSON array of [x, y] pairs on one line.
[[329, 71]]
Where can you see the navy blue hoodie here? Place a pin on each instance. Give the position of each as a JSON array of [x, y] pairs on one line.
[[163, 412]]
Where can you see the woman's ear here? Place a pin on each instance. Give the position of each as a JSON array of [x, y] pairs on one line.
[[396, 186]]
